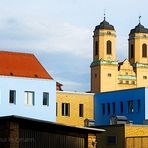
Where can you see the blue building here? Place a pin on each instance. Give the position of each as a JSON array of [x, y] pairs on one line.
[[132, 103]]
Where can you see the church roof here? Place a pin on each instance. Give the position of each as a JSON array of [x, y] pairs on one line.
[[21, 65], [104, 25], [139, 29]]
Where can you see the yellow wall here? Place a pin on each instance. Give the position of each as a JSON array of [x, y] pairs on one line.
[[75, 98], [128, 136], [141, 73]]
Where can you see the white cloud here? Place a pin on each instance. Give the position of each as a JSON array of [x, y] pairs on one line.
[[45, 35]]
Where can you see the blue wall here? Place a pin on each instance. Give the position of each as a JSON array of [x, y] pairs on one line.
[[116, 97]]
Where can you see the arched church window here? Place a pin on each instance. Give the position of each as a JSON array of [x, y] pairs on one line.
[[132, 51], [144, 50], [96, 48], [109, 47]]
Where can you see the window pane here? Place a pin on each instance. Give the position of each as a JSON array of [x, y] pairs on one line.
[[103, 109], [81, 109], [65, 109], [130, 106], [109, 47], [108, 108], [121, 107], [144, 50], [12, 96], [46, 98], [114, 107], [29, 98]]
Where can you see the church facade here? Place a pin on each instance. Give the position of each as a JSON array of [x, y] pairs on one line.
[[107, 74]]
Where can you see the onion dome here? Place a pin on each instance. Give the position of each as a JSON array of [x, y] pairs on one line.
[[139, 29], [104, 25]]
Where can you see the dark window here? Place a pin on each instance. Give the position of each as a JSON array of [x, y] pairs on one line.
[[144, 50], [95, 75], [130, 106], [121, 107], [132, 51], [103, 109], [12, 96], [114, 107], [65, 109], [46, 98], [56, 109], [109, 47], [112, 140], [81, 110], [96, 48], [139, 106], [108, 108], [144, 77], [109, 74]]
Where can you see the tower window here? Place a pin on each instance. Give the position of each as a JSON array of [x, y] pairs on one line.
[[96, 48], [144, 50], [144, 77], [109, 74], [109, 47], [132, 51]]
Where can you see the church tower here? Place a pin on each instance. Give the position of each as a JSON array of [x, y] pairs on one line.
[[104, 65], [138, 54]]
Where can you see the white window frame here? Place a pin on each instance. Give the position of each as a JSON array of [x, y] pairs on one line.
[[29, 101]]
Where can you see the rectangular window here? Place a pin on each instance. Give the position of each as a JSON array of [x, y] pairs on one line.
[[103, 109], [109, 74], [29, 97], [65, 109], [130, 106], [121, 107], [114, 107], [12, 96], [108, 108], [56, 109], [111, 139], [144, 77], [139, 105], [81, 110], [46, 98]]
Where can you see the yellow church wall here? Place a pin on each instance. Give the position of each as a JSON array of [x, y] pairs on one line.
[[108, 77], [142, 77], [74, 99], [95, 78]]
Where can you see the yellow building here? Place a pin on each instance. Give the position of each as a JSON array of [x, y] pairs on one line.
[[74, 107], [123, 136], [106, 73]]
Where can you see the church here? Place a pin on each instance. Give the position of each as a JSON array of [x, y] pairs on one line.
[[107, 74]]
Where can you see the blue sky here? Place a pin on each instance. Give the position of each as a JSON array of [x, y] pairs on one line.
[[59, 32]]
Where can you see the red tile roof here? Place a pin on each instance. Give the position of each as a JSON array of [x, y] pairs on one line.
[[21, 65]]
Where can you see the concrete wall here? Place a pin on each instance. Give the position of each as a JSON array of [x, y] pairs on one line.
[[38, 111], [116, 97], [74, 99]]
